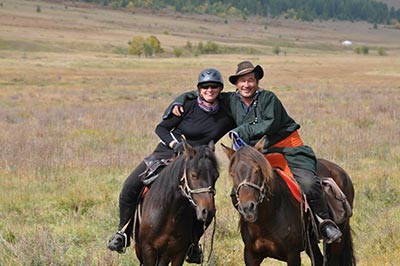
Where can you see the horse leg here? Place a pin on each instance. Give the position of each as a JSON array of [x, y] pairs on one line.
[[150, 257], [315, 255], [294, 259], [139, 253], [163, 262], [342, 253], [178, 260], [251, 259]]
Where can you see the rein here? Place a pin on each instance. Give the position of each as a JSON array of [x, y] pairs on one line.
[[187, 192]]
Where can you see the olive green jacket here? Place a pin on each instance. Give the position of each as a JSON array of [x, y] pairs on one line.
[[265, 116]]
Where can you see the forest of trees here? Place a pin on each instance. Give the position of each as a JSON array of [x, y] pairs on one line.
[[308, 10]]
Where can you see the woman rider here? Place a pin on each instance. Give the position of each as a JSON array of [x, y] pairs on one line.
[[204, 120]]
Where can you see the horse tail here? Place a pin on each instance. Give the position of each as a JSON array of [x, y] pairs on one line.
[[348, 248], [342, 254]]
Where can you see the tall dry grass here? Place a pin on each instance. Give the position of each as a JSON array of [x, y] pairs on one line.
[[74, 121]]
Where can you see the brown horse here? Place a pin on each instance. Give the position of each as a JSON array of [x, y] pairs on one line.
[[272, 222], [178, 207]]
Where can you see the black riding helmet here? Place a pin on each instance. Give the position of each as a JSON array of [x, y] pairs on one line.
[[210, 75]]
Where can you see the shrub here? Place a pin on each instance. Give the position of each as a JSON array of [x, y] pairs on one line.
[[276, 50], [178, 52], [189, 45], [150, 46], [155, 44], [136, 46], [381, 51], [208, 48], [148, 49], [364, 50], [361, 50]]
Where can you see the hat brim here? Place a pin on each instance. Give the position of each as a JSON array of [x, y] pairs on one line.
[[258, 71]]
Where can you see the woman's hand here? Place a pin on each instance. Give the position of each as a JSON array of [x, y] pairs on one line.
[[177, 110]]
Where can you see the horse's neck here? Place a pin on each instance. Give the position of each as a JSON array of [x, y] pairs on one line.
[[165, 187], [278, 201]]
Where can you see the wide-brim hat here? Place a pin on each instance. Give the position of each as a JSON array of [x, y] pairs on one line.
[[244, 68]]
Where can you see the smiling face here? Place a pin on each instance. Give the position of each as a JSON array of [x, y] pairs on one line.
[[210, 91], [247, 86]]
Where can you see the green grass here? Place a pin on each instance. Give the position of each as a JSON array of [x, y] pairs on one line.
[[78, 114]]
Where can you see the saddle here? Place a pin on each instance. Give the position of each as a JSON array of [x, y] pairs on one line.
[[154, 167], [337, 202]]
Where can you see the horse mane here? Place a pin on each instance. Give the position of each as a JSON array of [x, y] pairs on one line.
[[252, 156], [166, 184], [203, 152]]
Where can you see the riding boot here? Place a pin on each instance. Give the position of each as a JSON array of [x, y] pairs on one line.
[[195, 254], [121, 240], [328, 229]]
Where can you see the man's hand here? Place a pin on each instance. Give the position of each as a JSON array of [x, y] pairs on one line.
[[177, 110], [179, 148], [237, 141]]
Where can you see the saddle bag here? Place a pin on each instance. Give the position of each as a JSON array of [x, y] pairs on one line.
[[337, 201]]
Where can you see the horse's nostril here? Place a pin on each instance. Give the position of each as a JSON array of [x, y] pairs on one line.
[[205, 213], [249, 207], [252, 206]]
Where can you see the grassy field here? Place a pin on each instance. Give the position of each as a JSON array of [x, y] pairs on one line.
[[77, 114]]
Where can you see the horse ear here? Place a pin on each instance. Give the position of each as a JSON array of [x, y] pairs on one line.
[[228, 151], [260, 144], [187, 147], [211, 145]]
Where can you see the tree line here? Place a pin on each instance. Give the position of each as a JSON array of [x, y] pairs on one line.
[[307, 10]]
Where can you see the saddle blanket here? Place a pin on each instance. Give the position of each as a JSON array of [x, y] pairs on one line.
[[280, 165]]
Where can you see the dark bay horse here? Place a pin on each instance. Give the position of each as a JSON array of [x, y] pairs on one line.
[[272, 222], [178, 207]]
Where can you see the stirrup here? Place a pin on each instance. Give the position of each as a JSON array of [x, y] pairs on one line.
[[117, 246], [331, 223]]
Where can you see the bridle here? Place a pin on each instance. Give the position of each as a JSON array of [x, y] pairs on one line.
[[262, 190], [187, 192]]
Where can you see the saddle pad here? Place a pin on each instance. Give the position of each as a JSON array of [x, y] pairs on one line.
[[144, 191], [280, 165]]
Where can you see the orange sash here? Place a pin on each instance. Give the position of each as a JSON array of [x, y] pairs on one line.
[[291, 141]]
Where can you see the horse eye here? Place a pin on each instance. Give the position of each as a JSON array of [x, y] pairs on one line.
[[193, 175]]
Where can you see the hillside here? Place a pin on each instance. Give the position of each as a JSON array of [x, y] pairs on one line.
[[112, 29], [351, 10], [392, 3]]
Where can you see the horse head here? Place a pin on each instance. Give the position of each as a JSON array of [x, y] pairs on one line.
[[251, 174], [198, 181]]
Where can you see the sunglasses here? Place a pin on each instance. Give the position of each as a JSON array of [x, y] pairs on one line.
[[206, 86]]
